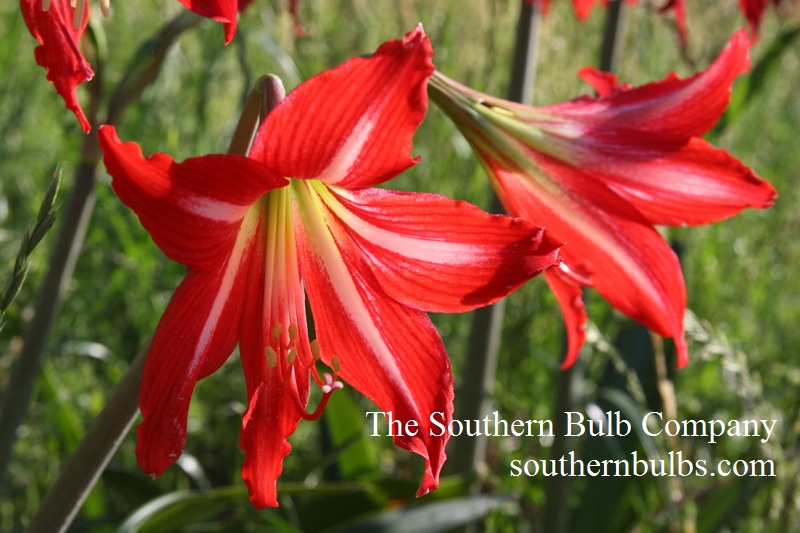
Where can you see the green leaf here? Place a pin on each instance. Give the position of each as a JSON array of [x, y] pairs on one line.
[[357, 455], [439, 516]]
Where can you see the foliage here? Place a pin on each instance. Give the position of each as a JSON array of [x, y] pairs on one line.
[[740, 279]]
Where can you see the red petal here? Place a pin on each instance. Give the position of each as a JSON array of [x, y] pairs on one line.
[[389, 352], [671, 107], [274, 295], [193, 209], [352, 126], [679, 8], [570, 299], [270, 419], [753, 11], [59, 52], [605, 83], [626, 259], [687, 185], [224, 11], [583, 8], [195, 336], [437, 254]]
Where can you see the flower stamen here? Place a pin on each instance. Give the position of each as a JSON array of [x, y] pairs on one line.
[[272, 357], [80, 8], [331, 384]]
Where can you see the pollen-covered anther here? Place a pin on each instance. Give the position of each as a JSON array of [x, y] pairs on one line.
[[45, 5], [80, 7], [292, 331], [272, 356], [292, 355], [277, 329], [105, 7], [316, 350]]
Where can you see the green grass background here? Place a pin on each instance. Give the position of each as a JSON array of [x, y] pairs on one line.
[[740, 276]]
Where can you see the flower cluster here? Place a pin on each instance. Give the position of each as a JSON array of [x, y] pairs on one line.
[[298, 224]]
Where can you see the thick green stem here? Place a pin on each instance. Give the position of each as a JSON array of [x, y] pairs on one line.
[[569, 383], [612, 37], [478, 375], [98, 446]]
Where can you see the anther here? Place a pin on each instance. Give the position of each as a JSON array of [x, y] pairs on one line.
[[336, 365], [276, 331], [292, 355], [45, 5], [272, 357], [315, 350], [104, 7], [80, 7], [292, 331]]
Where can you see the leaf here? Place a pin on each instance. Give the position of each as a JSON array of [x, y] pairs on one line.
[[357, 455], [440, 516]]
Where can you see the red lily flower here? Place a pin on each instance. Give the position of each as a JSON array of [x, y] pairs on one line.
[[753, 11], [600, 172], [58, 26], [59, 52], [370, 260], [583, 9], [224, 11]]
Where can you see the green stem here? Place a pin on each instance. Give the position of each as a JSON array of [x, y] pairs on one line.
[[612, 37], [66, 496], [569, 383], [478, 375], [142, 71]]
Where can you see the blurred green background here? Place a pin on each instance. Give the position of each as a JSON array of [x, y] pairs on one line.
[[744, 295]]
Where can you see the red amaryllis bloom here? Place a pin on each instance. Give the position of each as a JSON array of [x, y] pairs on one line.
[[58, 26], [600, 172], [753, 11], [370, 260], [583, 8], [224, 11], [59, 51]]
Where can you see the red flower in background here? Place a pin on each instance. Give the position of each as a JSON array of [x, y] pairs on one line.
[[371, 261], [753, 11], [601, 172], [58, 26], [583, 9], [59, 48]]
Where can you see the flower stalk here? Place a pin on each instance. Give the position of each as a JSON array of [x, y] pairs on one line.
[[483, 349]]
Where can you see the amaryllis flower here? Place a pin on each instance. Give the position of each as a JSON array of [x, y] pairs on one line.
[[583, 9], [753, 11], [59, 34], [297, 217], [58, 26], [600, 172]]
